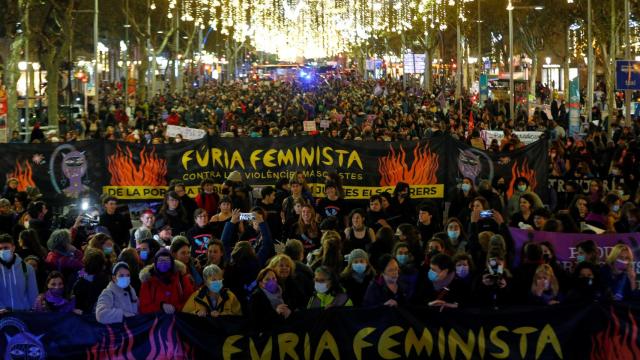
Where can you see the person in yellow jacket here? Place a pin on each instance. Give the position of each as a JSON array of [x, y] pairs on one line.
[[212, 299], [328, 292]]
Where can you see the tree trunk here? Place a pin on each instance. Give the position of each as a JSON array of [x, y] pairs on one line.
[[142, 85], [52, 88], [534, 74], [567, 62], [427, 70], [12, 74]]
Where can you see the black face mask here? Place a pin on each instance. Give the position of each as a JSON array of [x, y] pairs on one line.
[[546, 257]]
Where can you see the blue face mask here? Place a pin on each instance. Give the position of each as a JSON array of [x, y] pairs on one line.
[[359, 267], [615, 208], [107, 251], [144, 255], [462, 271], [581, 258], [433, 276], [123, 282], [465, 187], [453, 234], [522, 188], [402, 258], [6, 255], [215, 286]]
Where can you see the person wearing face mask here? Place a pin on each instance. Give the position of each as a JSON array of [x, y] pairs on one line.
[[618, 274], [18, 287], [166, 286], [118, 300], [91, 280], [207, 198], [456, 238], [494, 286], [355, 278], [545, 289], [587, 251], [629, 222], [213, 299], [614, 202], [328, 292], [63, 256], [521, 187], [401, 204], [586, 286], [54, 299], [268, 308], [436, 288], [385, 288], [462, 197], [408, 271]]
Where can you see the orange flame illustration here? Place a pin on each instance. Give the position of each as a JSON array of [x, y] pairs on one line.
[[151, 171], [616, 342], [164, 346], [393, 168], [109, 348], [167, 346], [524, 171], [24, 176]]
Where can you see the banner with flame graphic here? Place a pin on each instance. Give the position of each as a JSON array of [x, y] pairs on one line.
[[587, 331], [134, 171], [530, 162]]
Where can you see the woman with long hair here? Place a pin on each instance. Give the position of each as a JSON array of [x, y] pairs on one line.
[[172, 213]]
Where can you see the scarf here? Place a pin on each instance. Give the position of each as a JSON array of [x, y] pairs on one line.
[[274, 299], [440, 284]]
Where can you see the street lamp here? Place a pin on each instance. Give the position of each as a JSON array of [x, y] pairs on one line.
[[510, 9]]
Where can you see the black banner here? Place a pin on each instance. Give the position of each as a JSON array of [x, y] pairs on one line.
[[529, 162], [559, 332], [134, 171]]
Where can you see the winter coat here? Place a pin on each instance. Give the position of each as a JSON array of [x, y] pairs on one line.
[[155, 292], [18, 286], [378, 293], [199, 300], [115, 303]]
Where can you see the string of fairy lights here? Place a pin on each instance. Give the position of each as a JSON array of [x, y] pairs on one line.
[[313, 28]]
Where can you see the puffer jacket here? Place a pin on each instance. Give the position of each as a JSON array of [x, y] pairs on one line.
[[115, 304], [155, 291], [199, 300]]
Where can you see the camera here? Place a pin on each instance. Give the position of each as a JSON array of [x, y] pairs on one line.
[[89, 221], [485, 214], [247, 216]]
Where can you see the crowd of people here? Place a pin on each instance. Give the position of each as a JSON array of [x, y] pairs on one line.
[[227, 253]]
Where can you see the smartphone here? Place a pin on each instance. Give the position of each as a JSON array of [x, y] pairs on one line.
[[247, 216], [486, 214]]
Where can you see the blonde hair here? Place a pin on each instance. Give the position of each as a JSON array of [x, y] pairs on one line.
[[275, 261], [615, 252], [548, 271]]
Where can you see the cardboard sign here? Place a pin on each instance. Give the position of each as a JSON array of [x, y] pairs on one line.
[[186, 132], [309, 126]]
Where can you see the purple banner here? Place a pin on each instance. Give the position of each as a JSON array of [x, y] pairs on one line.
[[565, 244]]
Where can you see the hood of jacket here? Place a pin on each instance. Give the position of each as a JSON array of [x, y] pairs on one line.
[[146, 274]]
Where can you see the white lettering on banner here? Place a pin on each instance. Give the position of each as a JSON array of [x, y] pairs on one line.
[[526, 137], [186, 132]]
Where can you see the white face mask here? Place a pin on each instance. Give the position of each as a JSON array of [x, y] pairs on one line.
[[26, 224], [321, 287]]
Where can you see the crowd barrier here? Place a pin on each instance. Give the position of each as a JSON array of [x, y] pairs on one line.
[[593, 331]]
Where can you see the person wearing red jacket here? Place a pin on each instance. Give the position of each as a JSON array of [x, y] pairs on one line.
[[208, 199], [173, 119], [165, 285]]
